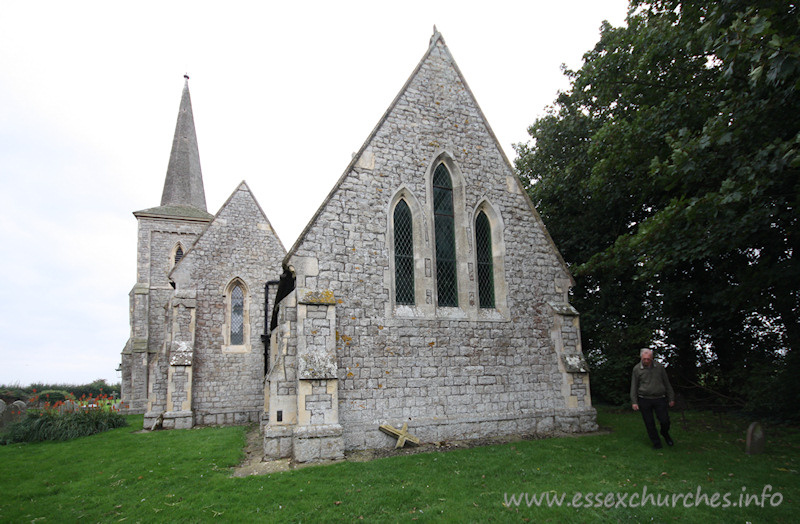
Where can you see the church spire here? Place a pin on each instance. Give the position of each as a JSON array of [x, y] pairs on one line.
[[183, 185]]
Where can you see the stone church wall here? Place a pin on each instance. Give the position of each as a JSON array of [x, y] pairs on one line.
[[448, 372], [157, 238], [281, 383], [239, 245]]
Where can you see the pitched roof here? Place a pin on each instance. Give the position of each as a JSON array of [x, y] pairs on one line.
[[437, 44], [248, 193], [183, 194]]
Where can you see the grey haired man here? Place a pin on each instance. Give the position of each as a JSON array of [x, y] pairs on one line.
[[651, 393]]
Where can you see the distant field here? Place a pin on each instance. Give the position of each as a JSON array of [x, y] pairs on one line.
[[186, 476]]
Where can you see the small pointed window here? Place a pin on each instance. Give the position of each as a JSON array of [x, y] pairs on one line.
[[483, 250], [403, 254], [237, 315], [444, 232], [178, 254]]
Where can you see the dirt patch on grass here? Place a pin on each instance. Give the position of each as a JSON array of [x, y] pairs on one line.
[[253, 463]]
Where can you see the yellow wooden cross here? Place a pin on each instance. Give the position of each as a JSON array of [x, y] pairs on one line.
[[402, 435]]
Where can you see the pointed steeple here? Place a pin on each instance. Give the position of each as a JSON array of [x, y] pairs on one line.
[[183, 185], [183, 197]]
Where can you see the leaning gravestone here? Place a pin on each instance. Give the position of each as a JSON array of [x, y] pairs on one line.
[[755, 439]]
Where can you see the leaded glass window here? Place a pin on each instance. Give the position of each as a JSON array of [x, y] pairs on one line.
[[403, 254], [444, 232], [237, 316], [483, 250]]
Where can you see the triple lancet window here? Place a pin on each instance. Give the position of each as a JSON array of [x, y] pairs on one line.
[[457, 251]]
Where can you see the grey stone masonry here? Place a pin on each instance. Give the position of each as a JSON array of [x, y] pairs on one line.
[[449, 372], [302, 385], [175, 224], [465, 332], [281, 381], [238, 248], [157, 240]]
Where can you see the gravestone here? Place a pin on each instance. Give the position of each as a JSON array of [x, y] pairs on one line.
[[67, 407], [2, 406], [755, 439], [12, 413]]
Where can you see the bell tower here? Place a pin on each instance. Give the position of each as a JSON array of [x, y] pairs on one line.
[[165, 233]]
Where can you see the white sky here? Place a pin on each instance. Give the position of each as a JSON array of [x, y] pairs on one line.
[[283, 93]]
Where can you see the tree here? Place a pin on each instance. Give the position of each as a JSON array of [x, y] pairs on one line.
[[668, 176]]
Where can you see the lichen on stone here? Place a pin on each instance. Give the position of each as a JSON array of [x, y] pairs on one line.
[[324, 296]]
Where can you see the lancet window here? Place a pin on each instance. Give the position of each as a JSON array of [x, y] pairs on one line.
[[483, 252], [237, 316], [444, 232], [403, 254]]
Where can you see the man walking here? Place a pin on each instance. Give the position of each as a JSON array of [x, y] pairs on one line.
[[651, 392]]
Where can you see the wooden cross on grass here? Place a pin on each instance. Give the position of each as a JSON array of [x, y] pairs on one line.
[[402, 435]]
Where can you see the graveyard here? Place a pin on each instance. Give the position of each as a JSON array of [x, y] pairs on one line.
[[188, 475], [423, 351]]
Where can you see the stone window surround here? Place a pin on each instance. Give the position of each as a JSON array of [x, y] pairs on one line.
[[407, 232], [484, 256], [227, 347], [421, 281], [463, 246], [174, 252], [496, 227], [424, 253]]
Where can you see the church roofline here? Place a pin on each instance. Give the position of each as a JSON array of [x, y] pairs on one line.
[[435, 38], [241, 185], [175, 212]]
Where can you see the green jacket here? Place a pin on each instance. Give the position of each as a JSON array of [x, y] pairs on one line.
[[650, 382]]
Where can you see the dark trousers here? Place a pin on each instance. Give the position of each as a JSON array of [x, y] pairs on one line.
[[658, 405]]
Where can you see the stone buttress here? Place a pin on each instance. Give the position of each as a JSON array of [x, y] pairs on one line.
[[302, 384]]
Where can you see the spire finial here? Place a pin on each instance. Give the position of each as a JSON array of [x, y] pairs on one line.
[[186, 76], [183, 185], [436, 35]]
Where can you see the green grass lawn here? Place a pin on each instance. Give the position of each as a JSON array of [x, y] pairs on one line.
[[185, 475]]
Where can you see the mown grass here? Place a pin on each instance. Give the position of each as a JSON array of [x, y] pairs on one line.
[[185, 476]]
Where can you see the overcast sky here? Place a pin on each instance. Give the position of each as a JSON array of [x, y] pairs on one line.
[[283, 93]]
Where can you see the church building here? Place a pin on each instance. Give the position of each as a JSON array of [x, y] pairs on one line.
[[425, 292]]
